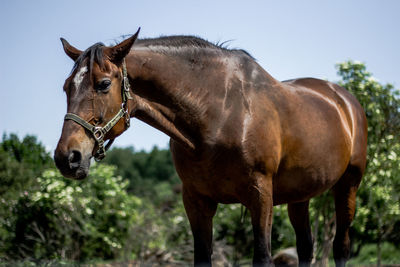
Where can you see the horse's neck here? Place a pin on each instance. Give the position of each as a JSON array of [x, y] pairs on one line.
[[189, 99], [160, 85]]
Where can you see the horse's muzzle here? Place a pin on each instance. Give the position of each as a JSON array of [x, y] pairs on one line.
[[72, 164]]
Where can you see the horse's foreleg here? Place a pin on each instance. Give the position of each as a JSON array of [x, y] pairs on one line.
[[200, 211], [299, 217], [345, 203], [261, 205]]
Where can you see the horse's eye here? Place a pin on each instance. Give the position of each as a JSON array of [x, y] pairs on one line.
[[104, 85]]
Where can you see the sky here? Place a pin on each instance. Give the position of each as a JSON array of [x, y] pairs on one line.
[[289, 39]]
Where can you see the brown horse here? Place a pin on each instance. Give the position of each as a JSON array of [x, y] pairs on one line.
[[237, 134]]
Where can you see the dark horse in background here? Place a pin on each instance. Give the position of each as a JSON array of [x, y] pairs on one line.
[[237, 134]]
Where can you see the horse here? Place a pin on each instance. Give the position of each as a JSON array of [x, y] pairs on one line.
[[237, 134]]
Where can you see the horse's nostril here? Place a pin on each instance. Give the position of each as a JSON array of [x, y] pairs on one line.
[[74, 159]]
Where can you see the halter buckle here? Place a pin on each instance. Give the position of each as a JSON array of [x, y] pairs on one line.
[[126, 88], [98, 134], [126, 84]]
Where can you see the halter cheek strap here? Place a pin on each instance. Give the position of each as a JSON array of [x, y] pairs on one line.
[[100, 132]]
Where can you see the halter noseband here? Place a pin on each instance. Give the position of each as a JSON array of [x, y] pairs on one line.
[[100, 132]]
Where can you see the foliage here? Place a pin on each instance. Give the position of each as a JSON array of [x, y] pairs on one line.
[[149, 173], [72, 220], [48, 218], [378, 197], [232, 225], [20, 160], [368, 256]]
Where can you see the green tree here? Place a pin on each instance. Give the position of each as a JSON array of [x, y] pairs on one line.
[[378, 199], [20, 160], [150, 174]]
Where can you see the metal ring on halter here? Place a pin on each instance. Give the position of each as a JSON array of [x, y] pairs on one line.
[[98, 134]]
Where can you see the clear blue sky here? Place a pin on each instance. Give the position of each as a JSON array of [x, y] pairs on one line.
[[288, 38]]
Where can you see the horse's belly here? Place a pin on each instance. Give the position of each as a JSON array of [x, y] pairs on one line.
[[219, 184], [302, 183]]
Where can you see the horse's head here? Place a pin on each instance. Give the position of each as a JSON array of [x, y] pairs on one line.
[[97, 108]]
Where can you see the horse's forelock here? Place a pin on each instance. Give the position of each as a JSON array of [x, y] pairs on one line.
[[95, 53]]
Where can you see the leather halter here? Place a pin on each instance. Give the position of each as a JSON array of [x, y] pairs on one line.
[[100, 132]]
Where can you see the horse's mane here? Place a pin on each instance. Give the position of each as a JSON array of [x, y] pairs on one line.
[[187, 41], [176, 41], [95, 52]]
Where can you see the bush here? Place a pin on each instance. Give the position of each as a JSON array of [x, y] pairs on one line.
[[66, 219], [368, 255]]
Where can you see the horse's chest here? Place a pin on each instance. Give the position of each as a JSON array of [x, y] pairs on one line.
[[221, 176]]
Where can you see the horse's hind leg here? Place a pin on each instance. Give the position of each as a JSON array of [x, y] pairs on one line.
[[299, 217], [345, 203]]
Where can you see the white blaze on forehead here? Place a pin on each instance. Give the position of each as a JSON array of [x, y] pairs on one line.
[[79, 76]]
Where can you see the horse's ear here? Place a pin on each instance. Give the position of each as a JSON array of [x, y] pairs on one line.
[[117, 53], [71, 51]]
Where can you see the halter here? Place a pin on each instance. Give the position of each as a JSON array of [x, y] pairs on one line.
[[100, 132]]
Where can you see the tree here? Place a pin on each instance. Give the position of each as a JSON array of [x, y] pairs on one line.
[[150, 174], [20, 160], [378, 197]]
